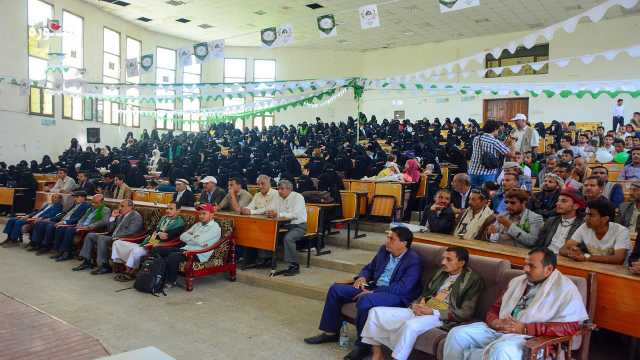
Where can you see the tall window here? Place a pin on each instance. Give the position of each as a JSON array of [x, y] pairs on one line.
[[235, 71], [40, 100], [111, 75], [165, 74], [521, 56], [191, 74], [263, 70], [132, 113], [72, 47]]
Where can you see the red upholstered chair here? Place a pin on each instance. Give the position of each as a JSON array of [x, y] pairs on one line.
[[222, 260]]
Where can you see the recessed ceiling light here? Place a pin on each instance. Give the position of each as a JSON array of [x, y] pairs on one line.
[[314, 6], [205, 26], [183, 20], [260, 12], [143, 19], [175, 2]]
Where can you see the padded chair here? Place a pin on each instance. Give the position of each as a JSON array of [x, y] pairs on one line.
[[222, 260], [312, 234], [349, 213]]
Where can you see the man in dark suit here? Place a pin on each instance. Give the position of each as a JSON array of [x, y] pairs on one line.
[[84, 184], [461, 185], [183, 194], [124, 221], [392, 278]]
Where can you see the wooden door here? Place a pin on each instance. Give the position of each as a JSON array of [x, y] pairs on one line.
[[505, 109]]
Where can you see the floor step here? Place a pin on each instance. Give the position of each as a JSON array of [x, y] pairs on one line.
[[371, 242], [340, 259], [311, 283]]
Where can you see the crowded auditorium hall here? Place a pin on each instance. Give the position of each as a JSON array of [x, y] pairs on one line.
[[320, 179]]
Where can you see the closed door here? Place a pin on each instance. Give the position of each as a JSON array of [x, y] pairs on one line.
[[505, 109]]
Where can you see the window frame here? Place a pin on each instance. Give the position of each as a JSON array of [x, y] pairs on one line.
[[118, 80], [263, 118], [64, 97], [224, 80], [41, 90], [133, 107], [197, 91], [175, 75]]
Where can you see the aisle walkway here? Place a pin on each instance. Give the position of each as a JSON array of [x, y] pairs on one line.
[[28, 333]]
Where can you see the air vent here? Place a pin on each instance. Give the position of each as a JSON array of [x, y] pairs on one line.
[[205, 26], [482, 21], [183, 20], [175, 2], [143, 19], [343, 41], [314, 6], [121, 3], [260, 12]]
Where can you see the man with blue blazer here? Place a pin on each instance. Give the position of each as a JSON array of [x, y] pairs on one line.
[[392, 278], [14, 226], [47, 230]]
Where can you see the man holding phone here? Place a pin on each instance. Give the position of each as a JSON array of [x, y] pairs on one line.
[[392, 278]]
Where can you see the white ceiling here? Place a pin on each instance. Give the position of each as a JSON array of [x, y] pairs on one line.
[[403, 22]]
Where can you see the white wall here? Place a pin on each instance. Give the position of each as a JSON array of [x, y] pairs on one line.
[[588, 38], [23, 136]]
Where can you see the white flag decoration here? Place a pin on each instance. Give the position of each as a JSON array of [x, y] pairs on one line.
[[454, 5], [285, 35], [133, 68], [184, 56], [369, 17], [216, 49]]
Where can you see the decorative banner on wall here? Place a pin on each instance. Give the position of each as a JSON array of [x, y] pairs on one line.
[[454, 5], [54, 26], [133, 68], [184, 56], [201, 52], [369, 17], [285, 35], [327, 26], [268, 36], [216, 49], [146, 63]]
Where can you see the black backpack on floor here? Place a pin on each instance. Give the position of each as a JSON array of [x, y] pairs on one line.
[[150, 278]]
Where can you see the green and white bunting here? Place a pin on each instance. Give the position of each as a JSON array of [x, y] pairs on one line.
[[269, 36], [327, 26], [146, 63]]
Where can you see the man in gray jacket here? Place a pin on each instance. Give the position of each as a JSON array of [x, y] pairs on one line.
[[519, 226], [558, 229], [123, 222], [630, 210]]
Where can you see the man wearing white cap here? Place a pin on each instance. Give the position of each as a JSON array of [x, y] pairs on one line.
[[183, 194], [211, 193], [527, 138]]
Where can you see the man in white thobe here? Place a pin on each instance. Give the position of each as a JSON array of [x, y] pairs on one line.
[[449, 298]]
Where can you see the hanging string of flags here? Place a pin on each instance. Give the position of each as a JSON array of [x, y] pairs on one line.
[[594, 14]]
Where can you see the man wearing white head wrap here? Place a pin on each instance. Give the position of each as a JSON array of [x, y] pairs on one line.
[[542, 302], [183, 195]]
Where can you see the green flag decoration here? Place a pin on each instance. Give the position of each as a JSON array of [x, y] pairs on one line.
[[327, 26]]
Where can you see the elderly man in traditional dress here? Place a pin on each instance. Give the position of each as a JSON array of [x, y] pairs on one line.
[[169, 227], [542, 302], [475, 219], [448, 299]]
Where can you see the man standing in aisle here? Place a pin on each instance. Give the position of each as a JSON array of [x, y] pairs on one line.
[[618, 114], [527, 138], [485, 163]]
